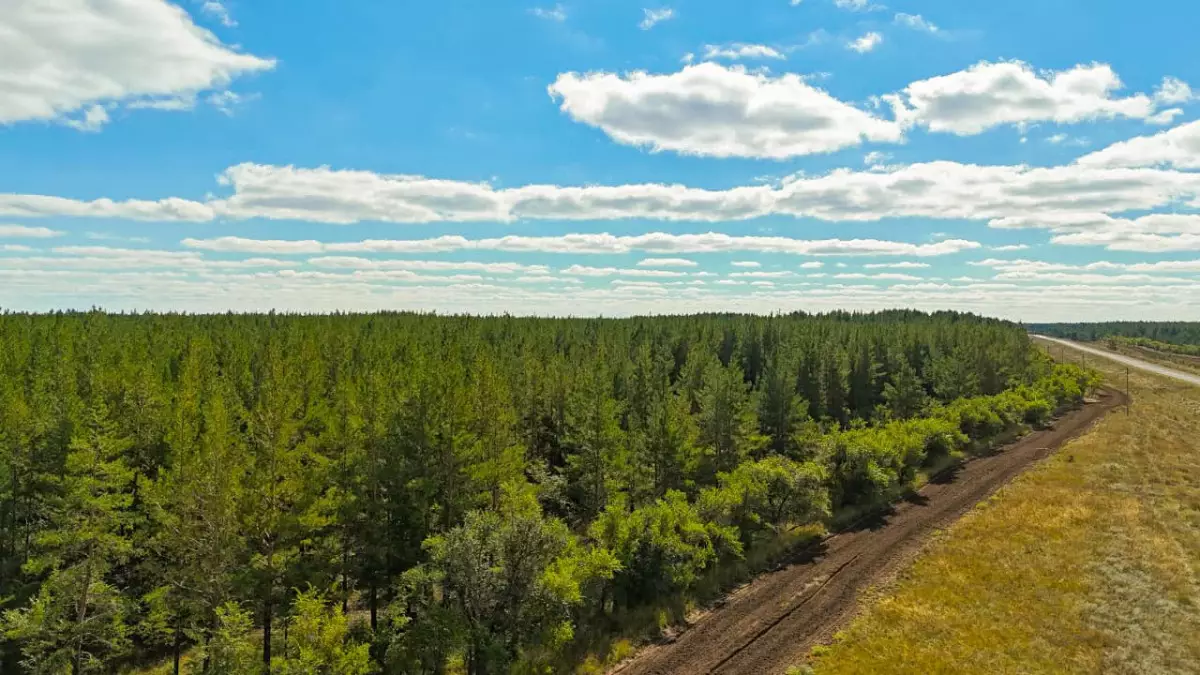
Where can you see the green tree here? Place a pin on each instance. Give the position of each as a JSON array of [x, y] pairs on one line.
[[904, 393], [506, 581], [728, 428], [597, 459], [319, 642], [76, 622]]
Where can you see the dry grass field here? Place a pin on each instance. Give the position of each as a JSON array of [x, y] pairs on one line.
[[1088, 563]]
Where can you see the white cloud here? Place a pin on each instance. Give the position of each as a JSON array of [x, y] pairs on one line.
[[746, 263], [813, 265], [94, 118], [916, 22], [59, 57], [1178, 147], [14, 248], [987, 95], [1011, 247], [651, 17], [738, 50], [654, 242], [586, 271], [853, 5], [763, 284], [885, 276], [353, 263], [219, 12], [760, 275], [556, 13], [26, 232], [293, 290], [906, 265], [225, 101], [1071, 196], [876, 158], [106, 258], [1165, 117], [169, 209], [865, 43], [667, 262], [1173, 90], [719, 111]]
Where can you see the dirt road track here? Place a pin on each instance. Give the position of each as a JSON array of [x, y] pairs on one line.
[[771, 623]]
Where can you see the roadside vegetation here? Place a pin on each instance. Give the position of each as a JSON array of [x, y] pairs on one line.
[[1086, 564], [419, 494]]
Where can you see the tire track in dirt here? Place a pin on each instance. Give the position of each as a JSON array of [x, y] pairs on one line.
[[771, 623]]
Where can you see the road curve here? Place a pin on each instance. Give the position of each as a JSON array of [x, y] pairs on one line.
[[772, 622], [1139, 364]]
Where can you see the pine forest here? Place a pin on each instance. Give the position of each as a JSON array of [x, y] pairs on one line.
[[409, 493]]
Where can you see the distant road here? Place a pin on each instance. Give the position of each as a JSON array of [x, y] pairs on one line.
[[1129, 361]]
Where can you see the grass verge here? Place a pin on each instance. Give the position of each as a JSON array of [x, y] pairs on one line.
[[1088, 563]]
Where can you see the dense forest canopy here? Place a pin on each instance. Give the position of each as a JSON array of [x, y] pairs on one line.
[[409, 493], [1174, 332]]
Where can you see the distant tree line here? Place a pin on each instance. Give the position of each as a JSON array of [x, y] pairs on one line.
[[1174, 332], [408, 493]]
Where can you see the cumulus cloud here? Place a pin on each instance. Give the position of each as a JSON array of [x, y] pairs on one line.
[[354, 263], [60, 58], [719, 111], [653, 17], [716, 110], [987, 95], [169, 209], [1178, 147], [586, 271], [654, 242], [740, 51], [1173, 90], [1008, 196], [905, 265], [26, 232], [746, 263], [667, 262], [812, 265], [916, 22], [865, 43], [758, 274], [219, 12]]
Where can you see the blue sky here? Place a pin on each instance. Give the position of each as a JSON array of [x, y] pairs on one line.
[[1031, 160]]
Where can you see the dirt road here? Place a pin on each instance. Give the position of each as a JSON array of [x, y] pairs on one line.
[[1190, 378], [771, 623]]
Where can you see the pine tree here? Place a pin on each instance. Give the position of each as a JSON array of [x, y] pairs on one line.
[[77, 620], [728, 427], [780, 410], [905, 394], [598, 457]]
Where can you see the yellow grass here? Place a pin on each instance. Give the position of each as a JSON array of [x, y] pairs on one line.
[[1088, 563]]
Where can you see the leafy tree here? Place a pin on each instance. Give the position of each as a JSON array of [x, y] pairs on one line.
[[502, 578], [319, 641], [231, 650], [772, 492]]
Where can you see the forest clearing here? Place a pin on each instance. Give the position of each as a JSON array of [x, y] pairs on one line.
[[1085, 564]]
